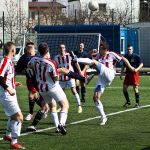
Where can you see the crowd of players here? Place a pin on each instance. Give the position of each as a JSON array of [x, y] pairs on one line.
[[46, 80]]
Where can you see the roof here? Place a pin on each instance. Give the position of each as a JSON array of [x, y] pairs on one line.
[[76, 28], [45, 5]]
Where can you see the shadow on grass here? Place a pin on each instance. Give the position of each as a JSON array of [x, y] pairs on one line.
[[146, 148]]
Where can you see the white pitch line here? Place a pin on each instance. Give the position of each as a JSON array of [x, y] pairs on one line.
[[117, 87], [85, 120]]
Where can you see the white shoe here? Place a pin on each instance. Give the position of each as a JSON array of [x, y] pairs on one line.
[[79, 109], [31, 128], [28, 117], [103, 121], [45, 114]]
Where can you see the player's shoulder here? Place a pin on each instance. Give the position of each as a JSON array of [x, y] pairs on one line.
[[56, 56], [136, 55], [49, 61], [67, 53], [110, 52], [34, 58], [5, 60]]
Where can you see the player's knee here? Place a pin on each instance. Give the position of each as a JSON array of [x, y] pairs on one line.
[[18, 117], [64, 104], [95, 98]]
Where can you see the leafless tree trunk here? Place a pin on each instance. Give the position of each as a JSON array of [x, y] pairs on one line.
[[12, 19]]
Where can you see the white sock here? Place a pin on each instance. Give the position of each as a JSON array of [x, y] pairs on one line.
[[14, 141], [8, 130], [55, 119], [100, 109], [16, 129], [63, 118], [85, 61], [77, 97]]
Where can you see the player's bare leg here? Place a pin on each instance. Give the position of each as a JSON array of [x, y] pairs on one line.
[[74, 92], [99, 107], [63, 115]]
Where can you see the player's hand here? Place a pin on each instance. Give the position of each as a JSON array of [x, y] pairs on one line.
[[132, 69], [135, 70], [18, 84], [11, 91], [94, 51]]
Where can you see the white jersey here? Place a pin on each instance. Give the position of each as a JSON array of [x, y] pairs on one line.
[[64, 61], [7, 71], [46, 71], [109, 60]]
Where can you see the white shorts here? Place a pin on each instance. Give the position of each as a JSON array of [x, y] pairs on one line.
[[55, 92], [9, 103], [105, 77], [70, 83]]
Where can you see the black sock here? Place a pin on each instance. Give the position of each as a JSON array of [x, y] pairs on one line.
[[31, 106], [137, 97], [83, 91], [78, 89], [37, 118], [39, 101], [126, 95], [76, 76]]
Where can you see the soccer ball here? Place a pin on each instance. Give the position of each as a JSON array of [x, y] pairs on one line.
[[93, 5]]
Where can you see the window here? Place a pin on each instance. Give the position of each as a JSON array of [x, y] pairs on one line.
[[102, 7], [122, 46]]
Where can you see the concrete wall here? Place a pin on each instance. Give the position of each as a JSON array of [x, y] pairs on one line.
[[144, 41]]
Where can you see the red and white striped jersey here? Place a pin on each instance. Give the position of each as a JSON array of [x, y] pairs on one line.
[[45, 71], [7, 71], [109, 60], [64, 61]]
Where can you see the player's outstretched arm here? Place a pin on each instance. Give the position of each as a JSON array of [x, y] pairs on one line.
[[128, 64], [139, 67]]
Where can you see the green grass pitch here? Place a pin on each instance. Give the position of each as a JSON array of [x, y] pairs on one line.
[[125, 131]]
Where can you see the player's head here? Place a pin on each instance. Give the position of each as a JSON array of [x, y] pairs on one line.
[[43, 49], [81, 46], [62, 48], [30, 50], [10, 47], [103, 47], [30, 44], [130, 49]]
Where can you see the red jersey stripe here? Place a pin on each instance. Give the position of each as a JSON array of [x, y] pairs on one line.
[[4, 64]]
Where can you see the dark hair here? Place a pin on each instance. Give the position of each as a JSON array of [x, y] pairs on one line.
[[129, 45], [43, 48], [29, 43], [104, 44], [8, 46]]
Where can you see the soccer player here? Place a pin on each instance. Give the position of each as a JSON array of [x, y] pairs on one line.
[[30, 78], [52, 106], [131, 78], [105, 62], [48, 85], [80, 53], [63, 59], [8, 97]]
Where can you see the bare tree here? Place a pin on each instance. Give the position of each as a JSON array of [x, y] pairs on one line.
[[107, 15], [13, 23]]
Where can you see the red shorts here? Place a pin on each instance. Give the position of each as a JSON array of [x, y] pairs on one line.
[[30, 86], [131, 79]]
